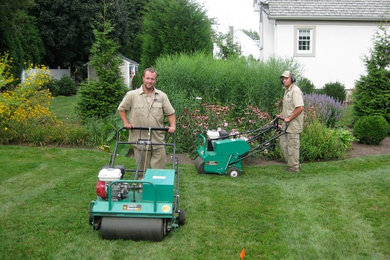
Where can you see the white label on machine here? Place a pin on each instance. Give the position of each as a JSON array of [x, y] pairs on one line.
[[159, 177], [132, 207], [212, 163]]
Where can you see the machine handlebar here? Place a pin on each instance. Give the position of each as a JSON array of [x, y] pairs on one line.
[[145, 128]]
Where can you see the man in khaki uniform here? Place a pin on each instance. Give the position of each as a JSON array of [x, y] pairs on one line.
[[293, 114], [147, 107]]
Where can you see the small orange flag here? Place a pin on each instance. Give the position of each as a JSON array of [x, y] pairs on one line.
[[242, 255]]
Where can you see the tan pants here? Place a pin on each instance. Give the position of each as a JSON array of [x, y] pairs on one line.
[[289, 144], [154, 159]]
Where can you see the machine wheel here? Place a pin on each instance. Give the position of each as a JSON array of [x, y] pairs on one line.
[[233, 172], [199, 164], [90, 214], [182, 217]]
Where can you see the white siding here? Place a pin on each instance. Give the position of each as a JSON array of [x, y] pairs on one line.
[[339, 51]]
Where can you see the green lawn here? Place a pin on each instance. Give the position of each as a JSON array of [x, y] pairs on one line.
[[331, 210], [64, 108]]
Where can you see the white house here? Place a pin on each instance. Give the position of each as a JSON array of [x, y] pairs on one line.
[[249, 46], [329, 38], [128, 70]]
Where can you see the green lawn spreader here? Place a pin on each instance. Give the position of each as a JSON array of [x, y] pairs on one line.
[[128, 208], [222, 153]]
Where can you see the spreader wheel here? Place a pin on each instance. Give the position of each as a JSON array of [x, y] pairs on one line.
[[233, 172], [199, 164], [182, 217]]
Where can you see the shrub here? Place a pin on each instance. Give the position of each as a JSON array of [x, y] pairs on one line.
[[306, 86], [66, 86], [372, 93], [26, 107], [371, 129], [335, 90], [6, 76], [321, 143], [52, 86], [324, 108]]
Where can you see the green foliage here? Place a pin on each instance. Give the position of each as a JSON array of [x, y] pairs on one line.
[[321, 143], [130, 46], [253, 34], [306, 85], [52, 86], [66, 86], [227, 47], [233, 81], [100, 98], [102, 131], [137, 80], [174, 26], [371, 129], [335, 90], [19, 34], [6, 77], [372, 95]]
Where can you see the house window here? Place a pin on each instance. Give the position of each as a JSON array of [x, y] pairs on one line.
[[304, 41]]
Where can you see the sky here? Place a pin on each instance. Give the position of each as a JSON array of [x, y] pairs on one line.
[[237, 13]]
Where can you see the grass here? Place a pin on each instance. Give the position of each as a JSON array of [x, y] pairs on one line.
[[338, 210], [64, 108]]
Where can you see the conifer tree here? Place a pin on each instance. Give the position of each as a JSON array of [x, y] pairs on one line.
[[100, 97], [372, 95]]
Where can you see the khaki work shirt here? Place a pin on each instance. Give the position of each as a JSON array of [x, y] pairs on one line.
[[146, 114], [292, 99]]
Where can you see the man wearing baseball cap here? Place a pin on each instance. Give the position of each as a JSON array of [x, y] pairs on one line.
[[292, 114]]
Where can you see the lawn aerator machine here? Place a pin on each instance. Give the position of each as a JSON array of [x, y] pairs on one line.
[[222, 153], [128, 208]]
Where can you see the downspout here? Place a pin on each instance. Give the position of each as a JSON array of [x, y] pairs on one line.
[[261, 29]]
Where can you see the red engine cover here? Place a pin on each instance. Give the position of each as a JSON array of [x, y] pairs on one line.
[[101, 189]]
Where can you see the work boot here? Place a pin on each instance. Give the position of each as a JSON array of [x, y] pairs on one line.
[[289, 169]]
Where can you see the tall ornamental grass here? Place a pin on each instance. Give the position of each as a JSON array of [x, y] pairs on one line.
[[239, 81]]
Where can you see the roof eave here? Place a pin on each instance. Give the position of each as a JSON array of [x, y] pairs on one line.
[[328, 18]]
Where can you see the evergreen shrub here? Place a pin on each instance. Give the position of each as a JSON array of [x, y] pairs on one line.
[[371, 129], [66, 86], [335, 90], [52, 86], [306, 85], [372, 93], [100, 98]]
